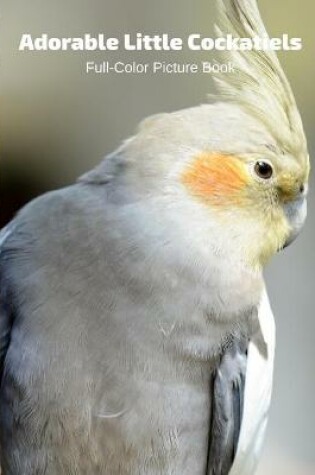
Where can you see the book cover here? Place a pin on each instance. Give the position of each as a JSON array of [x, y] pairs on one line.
[[77, 79]]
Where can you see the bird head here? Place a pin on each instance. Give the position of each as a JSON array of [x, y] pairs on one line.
[[259, 171], [258, 193], [231, 175]]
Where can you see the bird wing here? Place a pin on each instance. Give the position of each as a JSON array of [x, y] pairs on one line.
[[5, 313], [241, 399], [227, 407], [258, 389]]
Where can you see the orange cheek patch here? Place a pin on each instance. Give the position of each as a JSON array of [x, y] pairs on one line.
[[218, 178]]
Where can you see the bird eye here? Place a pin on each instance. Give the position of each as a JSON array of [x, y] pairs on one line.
[[263, 170]]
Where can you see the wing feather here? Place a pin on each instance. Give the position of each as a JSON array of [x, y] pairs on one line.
[[241, 397], [258, 389], [228, 398]]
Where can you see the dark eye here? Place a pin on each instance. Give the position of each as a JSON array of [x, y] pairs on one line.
[[263, 170]]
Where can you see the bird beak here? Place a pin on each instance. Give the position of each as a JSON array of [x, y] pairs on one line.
[[296, 212]]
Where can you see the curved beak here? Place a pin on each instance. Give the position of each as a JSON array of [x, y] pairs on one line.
[[296, 212]]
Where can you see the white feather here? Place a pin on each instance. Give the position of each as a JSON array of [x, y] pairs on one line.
[[258, 391]]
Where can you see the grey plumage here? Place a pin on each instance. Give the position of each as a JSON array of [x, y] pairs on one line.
[[227, 407], [89, 357]]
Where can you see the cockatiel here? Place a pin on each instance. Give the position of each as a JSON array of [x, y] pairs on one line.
[[136, 333]]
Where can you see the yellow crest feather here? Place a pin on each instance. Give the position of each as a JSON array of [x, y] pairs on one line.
[[259, 83]]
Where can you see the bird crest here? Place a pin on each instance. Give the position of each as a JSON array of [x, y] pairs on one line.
[[259, 83]]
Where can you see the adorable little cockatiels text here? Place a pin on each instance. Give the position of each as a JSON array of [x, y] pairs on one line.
[[161, 42]]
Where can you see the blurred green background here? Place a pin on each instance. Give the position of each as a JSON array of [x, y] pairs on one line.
[[57, 122]]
